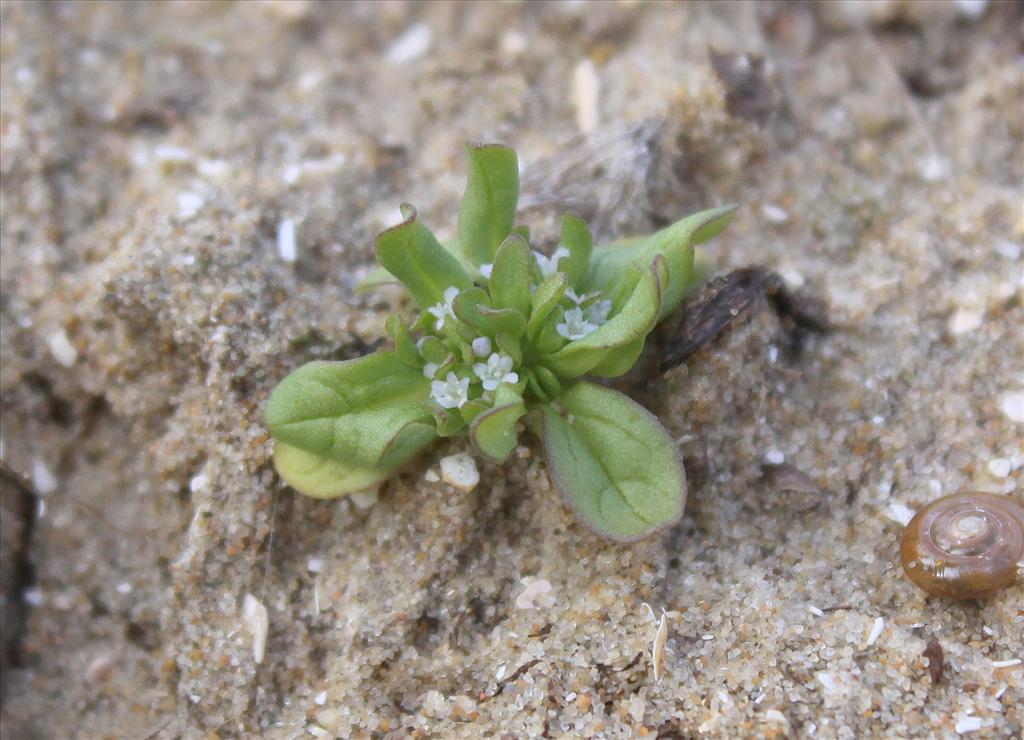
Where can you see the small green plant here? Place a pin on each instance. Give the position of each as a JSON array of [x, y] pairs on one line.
[[504, 334]]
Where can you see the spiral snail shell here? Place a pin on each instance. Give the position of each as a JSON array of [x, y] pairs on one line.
[[966, 545]]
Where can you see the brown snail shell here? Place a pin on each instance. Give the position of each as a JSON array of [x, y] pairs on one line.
[[964, 546]]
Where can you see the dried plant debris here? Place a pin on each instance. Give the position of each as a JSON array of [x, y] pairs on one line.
[[786, 477], [707, 313], [936, 661], [748, 92], [605, 177]]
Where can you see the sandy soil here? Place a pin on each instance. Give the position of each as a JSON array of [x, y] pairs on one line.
[[150, 154]]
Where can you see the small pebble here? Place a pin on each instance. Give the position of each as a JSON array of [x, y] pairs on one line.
[[320, 699], [968, 724], [412, 44], [367, 498], [1012, 406], [431, 476], [172, 154], [971, 9], [900, 514], [43, 481], [99, 669], [933, 168], [775, 457], [1000, 467], [966, 319], [189, 204], [536, 594], [1007, 249], [315, 565], [460, 471], [212, 168]]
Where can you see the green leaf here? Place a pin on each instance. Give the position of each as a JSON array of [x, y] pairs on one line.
[[405, 346], [413, 254], [319, 477], [366, 413], [511, 275], [545, 298], [488, 209], [493, 432], [576, 238], [674, 243], [614, 463], [511, 346], [472, 307], [374, 279], [548, 382], [449, 422], [618, 335], [619, 361], [434, 350]]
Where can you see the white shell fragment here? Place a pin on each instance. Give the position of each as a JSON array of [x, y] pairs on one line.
[[61, 348], [287, 247], [968, 724], [460, 471], [876, 631], [1007, 663], [536, 594], [256, 619], [586, 88], [411, 45], [775, 214], [658, 646]]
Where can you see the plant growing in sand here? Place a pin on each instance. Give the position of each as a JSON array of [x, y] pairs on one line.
[[503, 337]]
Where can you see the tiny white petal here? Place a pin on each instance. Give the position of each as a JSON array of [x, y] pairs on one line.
[[430, 370], [598, 313], [486, 270], [481, 346]]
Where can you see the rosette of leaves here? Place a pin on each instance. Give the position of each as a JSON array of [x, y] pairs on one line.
[[503, 339]]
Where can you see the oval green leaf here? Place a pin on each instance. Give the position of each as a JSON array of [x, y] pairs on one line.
[[614, 463]]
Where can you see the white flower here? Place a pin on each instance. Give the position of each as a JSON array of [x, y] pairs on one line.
[[444, 309], [497, 370], [430, 370], [578, 299], [450, 393], [481, 346], [598, 312], [485, 270], [549, 265], [575, 326]]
